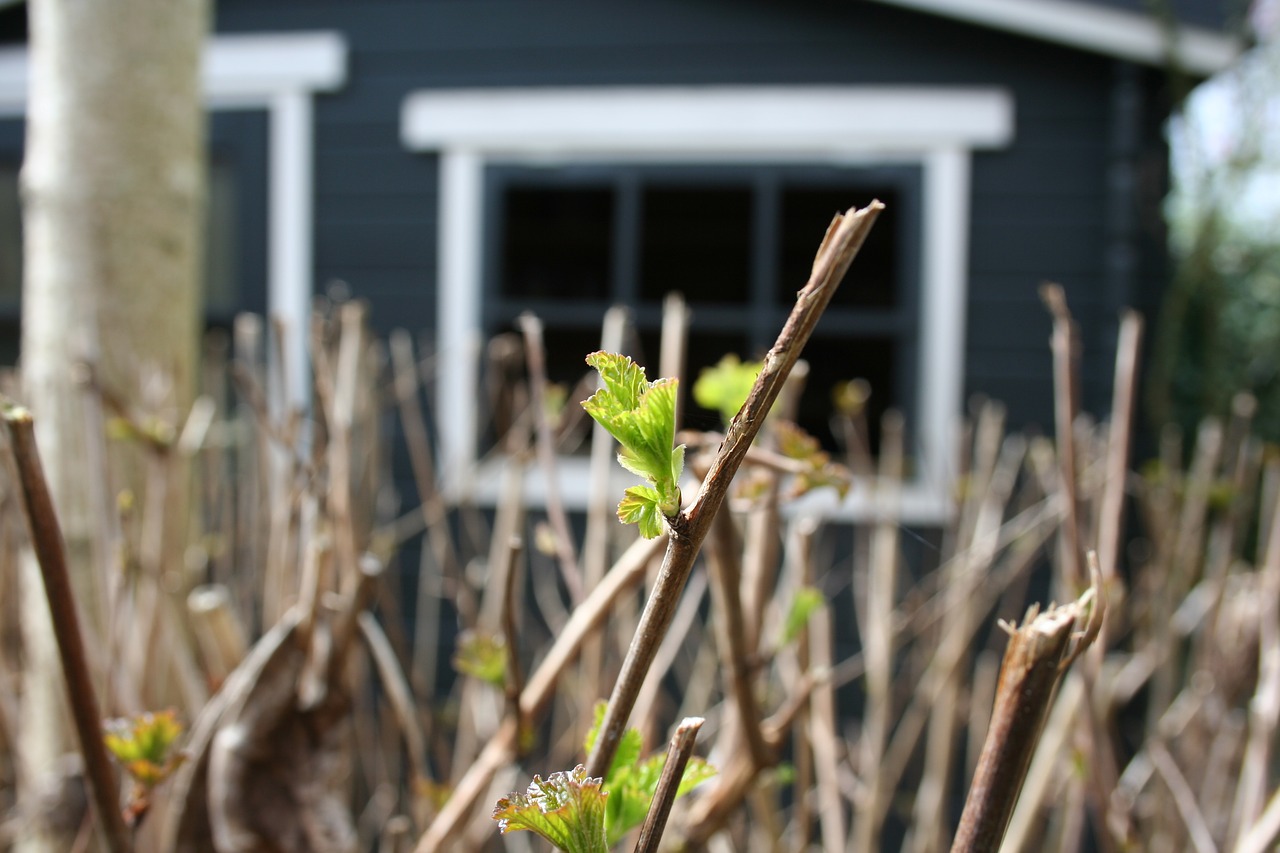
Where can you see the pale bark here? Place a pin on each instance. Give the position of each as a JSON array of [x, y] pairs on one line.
[[113, 195]]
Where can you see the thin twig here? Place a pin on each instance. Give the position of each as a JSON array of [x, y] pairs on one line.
[[399, 695], [1066, 355], [46, 541], [1188, 809], [725, 569], [843, 240], [535, 358], [678, 753], [1264, 830], [515, 672]]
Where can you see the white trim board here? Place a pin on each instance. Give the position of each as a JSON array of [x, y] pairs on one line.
[[935, 128], [278, 72], [816, 121], [1111, 32]]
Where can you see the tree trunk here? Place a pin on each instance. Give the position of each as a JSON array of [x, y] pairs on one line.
[[113, 199]]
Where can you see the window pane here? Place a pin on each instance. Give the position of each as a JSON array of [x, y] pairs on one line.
[[696, 240], [835, 360], [556, 242], [874, 278], [10, 237], [704, 349], [221, 285]]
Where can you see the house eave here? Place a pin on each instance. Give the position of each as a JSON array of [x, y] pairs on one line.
[[1111, 32]]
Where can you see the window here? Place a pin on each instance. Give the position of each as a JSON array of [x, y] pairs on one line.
[[698, 154], [736, 241]]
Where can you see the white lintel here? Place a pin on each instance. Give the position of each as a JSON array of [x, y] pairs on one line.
[[673, 121]]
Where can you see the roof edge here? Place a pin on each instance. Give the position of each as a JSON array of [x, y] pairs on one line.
[[1124, 35]]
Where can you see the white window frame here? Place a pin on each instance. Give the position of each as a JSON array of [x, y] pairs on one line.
[[935, 128], [281, 73]]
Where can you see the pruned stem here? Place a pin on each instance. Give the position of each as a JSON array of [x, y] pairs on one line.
[[1037, 656], [678, 753], [46, 541], [843, 240]]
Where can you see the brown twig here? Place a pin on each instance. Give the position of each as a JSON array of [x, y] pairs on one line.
[[535, 358], [46, 541], [399, 695], [725, 569], [1065, 344], [678, 753], [843, 240], [515, 672]]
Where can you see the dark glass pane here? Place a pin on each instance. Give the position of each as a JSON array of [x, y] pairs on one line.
[[705, 349], [696, 240], [221, 261], [556, 242], [833, 360], [807, 211], [10, 236]]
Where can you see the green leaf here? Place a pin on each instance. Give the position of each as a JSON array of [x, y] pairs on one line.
[[726, 386], [566, 809], [795, 443], [806, 601], [641, 415], [482, 656], [144, 745], [632, 795], [629, 745], [642, 506], [631, 783]]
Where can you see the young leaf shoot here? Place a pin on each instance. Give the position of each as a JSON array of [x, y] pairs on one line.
[[641, 415]]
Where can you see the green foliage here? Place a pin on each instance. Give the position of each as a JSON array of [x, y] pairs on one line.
[[567, 809], [805, 603], [725, 387], [482, 656], [850, 398], [144, 745], [631, 783], [819, 471], [641, 415]]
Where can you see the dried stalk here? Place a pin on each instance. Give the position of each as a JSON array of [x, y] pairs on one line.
[[46, 541], [1037, 656], [1264, 708], [1066, 357], [678, 753], [725, 570], [843, 240], [399, 695], [535, 358], [515, 672], [418, 444]]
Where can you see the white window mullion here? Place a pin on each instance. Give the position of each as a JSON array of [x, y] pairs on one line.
[[459, 322], [289, 234], [943, 308]]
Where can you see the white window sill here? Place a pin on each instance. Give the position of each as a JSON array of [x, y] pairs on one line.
[[917, 503]]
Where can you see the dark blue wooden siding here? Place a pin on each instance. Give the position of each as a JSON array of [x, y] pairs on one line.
[[1040, 208]]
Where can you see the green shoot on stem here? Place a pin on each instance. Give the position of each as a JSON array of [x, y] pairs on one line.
[[641, 415]]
